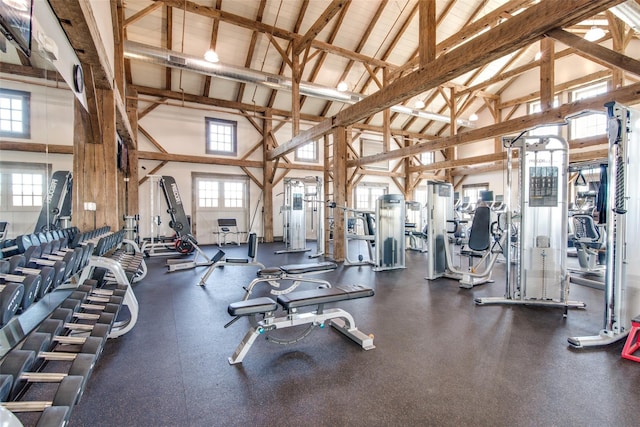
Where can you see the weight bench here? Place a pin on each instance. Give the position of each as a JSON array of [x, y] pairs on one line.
[[220, 260], [265, 307], [295, 272]]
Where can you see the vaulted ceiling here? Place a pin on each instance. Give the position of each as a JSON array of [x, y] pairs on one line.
[[364, 43]]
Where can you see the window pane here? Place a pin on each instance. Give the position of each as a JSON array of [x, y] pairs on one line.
[[13, 113]]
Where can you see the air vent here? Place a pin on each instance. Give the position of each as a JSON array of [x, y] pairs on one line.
[[272, 80], [355, 98], [177, 60], [415, 112]]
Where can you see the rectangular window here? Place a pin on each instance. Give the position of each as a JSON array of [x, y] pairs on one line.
[[221, 193], [14, 113], [427, 158], [208, 194], [307, 153], [221, 136], [26, 189], [472, 192], [588, 124], [367, 195], [234, 194], [536, 107]]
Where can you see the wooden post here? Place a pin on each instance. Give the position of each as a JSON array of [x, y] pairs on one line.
[[95, 170], [267, 173], [547, 84], [339, 190], [132, 206]]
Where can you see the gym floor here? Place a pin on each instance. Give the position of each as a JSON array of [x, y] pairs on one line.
[[439, 358]]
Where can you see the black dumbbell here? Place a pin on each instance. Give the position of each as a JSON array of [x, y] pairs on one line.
[[16, 268], [15, 246], [31, 283]]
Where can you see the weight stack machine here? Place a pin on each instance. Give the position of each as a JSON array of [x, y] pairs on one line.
[[540, 276], [622, 278]]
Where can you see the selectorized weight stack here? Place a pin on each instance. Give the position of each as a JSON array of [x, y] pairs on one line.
[[300, 193], [622, 278], [541, 276], [389, 233]]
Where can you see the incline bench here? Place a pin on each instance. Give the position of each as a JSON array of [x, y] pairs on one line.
[[298, 273], [265, 307]]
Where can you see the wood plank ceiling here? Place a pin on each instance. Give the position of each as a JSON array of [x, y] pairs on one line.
[[365, 43]]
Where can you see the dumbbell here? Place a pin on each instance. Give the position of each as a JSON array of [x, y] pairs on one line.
[[44, 346], [31, 283], [51, 415], [11, 296], [62, 335], [32, 259], [17, 246], [43, 252], [20, 365], [59, 247], [15, 271]]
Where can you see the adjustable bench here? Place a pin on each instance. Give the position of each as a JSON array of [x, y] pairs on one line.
[[298, 273], [220, 259], [266, 307]]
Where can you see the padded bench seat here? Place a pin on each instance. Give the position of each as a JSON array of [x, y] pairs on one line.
[[323, 296], [252, 306], [308, 268]]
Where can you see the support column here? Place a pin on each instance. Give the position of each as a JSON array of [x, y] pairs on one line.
[[547, 83], [132, 206], [268, 173], [95, 170], [339, 190]]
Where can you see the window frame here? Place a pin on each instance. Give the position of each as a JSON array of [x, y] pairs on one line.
[[6, 184], [25, 97], [369, 186], [315, 159], [578, 122], [234, 136]]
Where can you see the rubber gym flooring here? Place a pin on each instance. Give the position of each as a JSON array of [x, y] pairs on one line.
[[440, 360]]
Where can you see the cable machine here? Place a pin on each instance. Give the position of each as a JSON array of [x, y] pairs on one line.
[[300, 195], [622, 278], [541, 276], [441, 236]]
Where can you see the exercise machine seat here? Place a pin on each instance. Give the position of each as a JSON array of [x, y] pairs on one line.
[[479, 235], [586, 231]]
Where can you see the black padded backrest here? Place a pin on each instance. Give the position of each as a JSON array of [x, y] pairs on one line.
[[479, 236], [227, 222], [585, 227], [252, 245]]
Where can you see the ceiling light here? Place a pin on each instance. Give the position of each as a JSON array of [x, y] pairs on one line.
[[342, 87], [211, 56], [538, 56], [594, 33], [473, 117], [419, 104]]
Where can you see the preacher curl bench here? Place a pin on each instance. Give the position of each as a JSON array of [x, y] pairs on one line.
[[265, 308]]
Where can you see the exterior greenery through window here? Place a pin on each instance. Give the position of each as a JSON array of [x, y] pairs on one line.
[[221, 136], [14, 113]]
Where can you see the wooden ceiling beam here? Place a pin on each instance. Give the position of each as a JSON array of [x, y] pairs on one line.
[[253, 25], [623, 95], [468, 31], [513, 34], [305, 41], [594, 50], [141, 14]]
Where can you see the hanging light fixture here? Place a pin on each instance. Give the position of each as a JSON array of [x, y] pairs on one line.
[[342, 86], [211, 56], [594, 33], [419, 104], [473, 117]]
